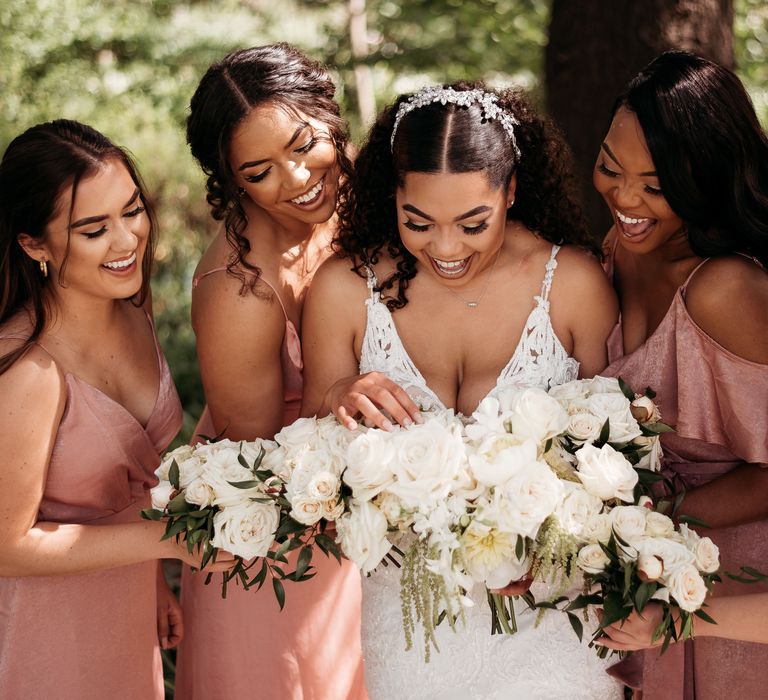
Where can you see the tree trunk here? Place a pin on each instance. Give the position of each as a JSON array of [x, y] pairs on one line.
[[596, 46], [358, 34]]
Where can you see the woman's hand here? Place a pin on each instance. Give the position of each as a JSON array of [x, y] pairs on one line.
[[636, 631], [518, 587], [170, 621], [178, 550], [370, 395]]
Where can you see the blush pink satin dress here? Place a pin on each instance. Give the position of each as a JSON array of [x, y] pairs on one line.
[[718, 403], [91, 636], [244, 646]]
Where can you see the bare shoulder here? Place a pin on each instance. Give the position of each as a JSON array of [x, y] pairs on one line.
[[727, 298], [336, 282], [33, 388], [580, 272]]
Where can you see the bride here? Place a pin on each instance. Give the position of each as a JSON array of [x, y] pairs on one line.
[[468, 274]]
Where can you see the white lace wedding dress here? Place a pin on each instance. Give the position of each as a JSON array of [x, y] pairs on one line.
[[546, 662]]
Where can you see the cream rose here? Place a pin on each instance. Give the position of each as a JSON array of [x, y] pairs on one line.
[[497, 468], [649, 568], [606, 473], [584, 427], [323, 485], [658, 525], [614, 408], [246, 530], [629, 523], [306, 510], [577, 508], [687, 587], [531, 414], [644, 410], [199, 493], [362, 534], [672, 555], [592, 559], [597, 529], [223, 467], [707, 556]]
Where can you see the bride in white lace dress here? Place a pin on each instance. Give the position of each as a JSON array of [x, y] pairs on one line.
[[456, 220]]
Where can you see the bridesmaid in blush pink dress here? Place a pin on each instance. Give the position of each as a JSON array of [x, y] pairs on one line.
[[687, 254], [265, 128], [88, 406]]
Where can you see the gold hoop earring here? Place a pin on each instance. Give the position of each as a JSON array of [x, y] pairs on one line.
[[44, 268]]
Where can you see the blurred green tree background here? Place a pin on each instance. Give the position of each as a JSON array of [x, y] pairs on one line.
[[129, 69]]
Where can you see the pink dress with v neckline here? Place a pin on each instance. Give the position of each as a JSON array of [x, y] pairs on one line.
[[244, 646], [91, 636], [718, 403]]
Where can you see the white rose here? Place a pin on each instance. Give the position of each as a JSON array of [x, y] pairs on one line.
[[527, 500], [616, 409], [323, 486], [306, 510], [531, 414], [584, 427], [690, 538], [597, 529], [629, 522], [486, 421], [251, 450], [672, 555], [369, 464], [577, 508], [707, 556], [658, 525], [570, 391], [199, 493], [300, 433], [687, 587], [362, 534], [604, 385], [161, 495], [427, 458], [649, 567], [246, 530], [644, 410], [606, 473], [335, 438], [592, 559], [495, 469], [180, 455], [223, 467]]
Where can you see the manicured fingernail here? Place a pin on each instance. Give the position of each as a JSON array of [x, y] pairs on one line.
[[418, 418], [407, 422], [387, 426]]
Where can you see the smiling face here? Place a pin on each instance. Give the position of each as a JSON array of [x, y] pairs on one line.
[[625, 176], [103, 241], [286, 163], [454, 224]]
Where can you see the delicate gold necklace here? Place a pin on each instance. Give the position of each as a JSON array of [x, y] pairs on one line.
[[476, 303]]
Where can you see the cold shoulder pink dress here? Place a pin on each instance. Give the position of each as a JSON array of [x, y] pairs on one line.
[[91, 636], [244, 646], [718, 403]]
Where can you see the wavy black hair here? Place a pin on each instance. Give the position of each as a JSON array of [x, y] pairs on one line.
[[710, 153], [276, 74], [448, 138], [37, 167]]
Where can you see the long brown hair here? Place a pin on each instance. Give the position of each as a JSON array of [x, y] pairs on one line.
[[37, 167]]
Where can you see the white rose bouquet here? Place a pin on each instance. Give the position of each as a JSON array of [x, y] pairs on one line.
[[644, 558]]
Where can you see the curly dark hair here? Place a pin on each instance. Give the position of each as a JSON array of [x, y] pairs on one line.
[[278, 74], [448, 138], [710, 153], [37, 167]]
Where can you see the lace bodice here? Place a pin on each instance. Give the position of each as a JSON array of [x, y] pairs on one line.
[[538, 663], [538, 360]]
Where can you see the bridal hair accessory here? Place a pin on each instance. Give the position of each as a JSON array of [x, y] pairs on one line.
[[463, 98], [44, 268]]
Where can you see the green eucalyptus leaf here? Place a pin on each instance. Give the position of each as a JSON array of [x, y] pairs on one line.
[[279, 592], [173, 475], [178, 504], [578, 627], [626, 390], [152, 514], [249, 484]]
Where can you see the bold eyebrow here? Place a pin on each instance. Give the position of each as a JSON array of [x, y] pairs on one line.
[[418, 212], [650, 173], [472, 212], [296, 134], [94, 219]]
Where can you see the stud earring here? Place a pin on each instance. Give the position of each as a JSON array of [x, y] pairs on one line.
[[510, 203], [240, 191], [44, 268]]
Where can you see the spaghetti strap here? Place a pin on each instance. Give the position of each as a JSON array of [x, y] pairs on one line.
[[196, 281], [546, 284], [684, 285]]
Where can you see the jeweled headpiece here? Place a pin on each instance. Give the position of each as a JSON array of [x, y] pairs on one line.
[[463, 98]]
